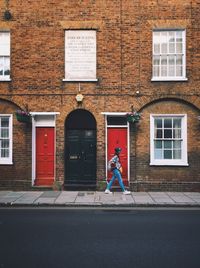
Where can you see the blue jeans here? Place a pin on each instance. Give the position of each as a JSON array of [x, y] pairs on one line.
[[116, 174]]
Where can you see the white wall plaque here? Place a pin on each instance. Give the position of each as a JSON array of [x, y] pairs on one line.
[[80, 55]]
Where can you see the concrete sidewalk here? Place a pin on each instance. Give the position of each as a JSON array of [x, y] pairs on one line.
[[99, 199]]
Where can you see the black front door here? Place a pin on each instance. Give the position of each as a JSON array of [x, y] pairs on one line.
[[80, 158]]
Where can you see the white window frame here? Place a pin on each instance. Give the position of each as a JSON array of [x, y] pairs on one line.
[[5, 53], [8, 160], [168, 54], [170, 162]]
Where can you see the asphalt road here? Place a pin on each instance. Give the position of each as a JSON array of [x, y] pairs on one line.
[[99, 238]]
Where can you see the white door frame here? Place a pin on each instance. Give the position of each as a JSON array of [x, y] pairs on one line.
[[42, 119], [128, 138]]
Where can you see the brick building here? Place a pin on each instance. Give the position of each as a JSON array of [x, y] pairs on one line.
[[78, 67]]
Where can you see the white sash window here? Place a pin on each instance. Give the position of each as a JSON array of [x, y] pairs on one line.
[[5, 139], [169, 55], [4, 56], [168, 140]]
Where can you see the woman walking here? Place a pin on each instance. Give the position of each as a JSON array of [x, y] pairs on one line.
[[116, 168]]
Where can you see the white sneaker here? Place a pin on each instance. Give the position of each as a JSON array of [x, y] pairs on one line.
[[108, 191], [126, 192]]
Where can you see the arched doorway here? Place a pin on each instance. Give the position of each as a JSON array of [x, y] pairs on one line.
[[80, 150]]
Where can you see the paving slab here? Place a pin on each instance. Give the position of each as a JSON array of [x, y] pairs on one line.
[[122, 199], [194, 196], [66, 197], [180, 198], [51, 194], [106, 198], [161, 198], [28, 198], [10, 197], [85, 197], [4, 193], [143, 198], [116, 198], [44, 201]]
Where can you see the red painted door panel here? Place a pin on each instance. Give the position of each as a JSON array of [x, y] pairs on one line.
[[117, 137], [44, 156]]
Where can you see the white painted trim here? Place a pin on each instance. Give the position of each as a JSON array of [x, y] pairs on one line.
[[44, 113], [128, 141], [43, 123], [169, 162], [163, 79], [118, 126], [114, 114], [106, 139], [80, 80], [5, 79], [33, 151]]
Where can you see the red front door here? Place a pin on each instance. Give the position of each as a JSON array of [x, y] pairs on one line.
[[117, 137], [44, 156]]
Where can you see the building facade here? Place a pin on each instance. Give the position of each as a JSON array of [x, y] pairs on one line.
[[75, 69]]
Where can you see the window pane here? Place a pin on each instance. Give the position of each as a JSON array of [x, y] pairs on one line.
[[158, 144], [179, 71], [116, 120], [1, 65], [4, 133], [171, 70], [4, 153], [156, 71], [4, 122], [177, 133], [156, 60], [176, 123], [156, 63], [156, 48], [171, 60], [177, 154], [158, 154], [163, 60], [158, 123], [167, 154], [4, 144], [168, 144], [164, 71], [177, 144], [163, 65], [156, 41], [179, 60], [179, 36], [167, 123], [171, 65], [7, 66], [158, 133], [172, 48], [164, 42], [4, 43], [167, 133], [179, 48], [171, 36]]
